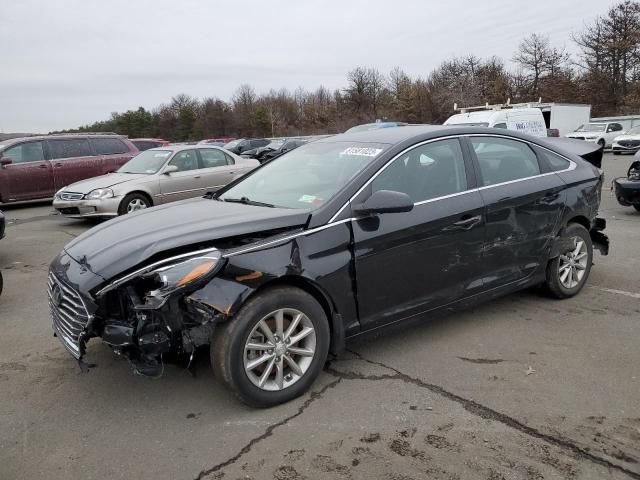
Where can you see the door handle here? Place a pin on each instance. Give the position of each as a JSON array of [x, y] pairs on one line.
[[197, 176], [231, 173], [42, 165], [466, 223]]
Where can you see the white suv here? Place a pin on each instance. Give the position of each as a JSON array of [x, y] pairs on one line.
[[602, 133]]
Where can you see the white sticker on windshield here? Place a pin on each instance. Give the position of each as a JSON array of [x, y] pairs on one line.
[[362, 151], [307, 198]]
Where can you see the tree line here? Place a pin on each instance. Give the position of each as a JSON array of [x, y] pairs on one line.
[[605, 73]]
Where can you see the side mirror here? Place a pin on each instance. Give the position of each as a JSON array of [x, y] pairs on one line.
[[5, 161], [170, 169], [385, 201]]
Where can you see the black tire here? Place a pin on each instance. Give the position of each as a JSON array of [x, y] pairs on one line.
[[637, 207], [228, 345], [123, 209], [602, 143], [553, 282], [1, 283]]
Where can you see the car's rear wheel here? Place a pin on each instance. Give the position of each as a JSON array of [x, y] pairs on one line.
[[637, 207], [132, 203], [567, 273], [601, 143], [274, 348]]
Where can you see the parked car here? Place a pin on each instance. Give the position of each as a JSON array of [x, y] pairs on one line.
[[374, 126], [241, 144], [599, 133], [143, 144], [36, 167], [269, 153], [627, 143], [627, 189], [337, 238], [523, 120], [153, 177]]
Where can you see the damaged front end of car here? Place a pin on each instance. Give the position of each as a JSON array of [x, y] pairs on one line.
[[143, 316]]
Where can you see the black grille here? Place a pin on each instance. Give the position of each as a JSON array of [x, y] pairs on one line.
[[69, 211], [629, 143], [68, 313]]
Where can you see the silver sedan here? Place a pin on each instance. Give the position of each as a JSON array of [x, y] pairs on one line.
[[153, 177]]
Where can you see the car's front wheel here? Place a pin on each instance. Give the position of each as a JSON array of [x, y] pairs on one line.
[[133, 202], [568, 272], [637, 207], [274, 348]]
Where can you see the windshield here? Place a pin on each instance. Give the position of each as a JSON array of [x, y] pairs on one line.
[[592, 127], [307, 177], [147, 162], [634, 131]]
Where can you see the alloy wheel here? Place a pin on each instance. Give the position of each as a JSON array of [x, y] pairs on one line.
[[136, 204], [279, 349], [573, 264]]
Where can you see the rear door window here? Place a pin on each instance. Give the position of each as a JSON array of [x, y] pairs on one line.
[[70, 148], [109, 146], [212, 158], [25, 152], [503, 160]]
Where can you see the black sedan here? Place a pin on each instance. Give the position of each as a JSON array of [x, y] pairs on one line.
[[628, 189], [337, 238]]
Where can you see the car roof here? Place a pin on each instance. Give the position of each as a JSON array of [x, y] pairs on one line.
[[11, 141]]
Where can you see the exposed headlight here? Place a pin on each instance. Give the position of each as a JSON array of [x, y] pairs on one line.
[[59, 192], [99, 194], [177, 276], [160, 280]]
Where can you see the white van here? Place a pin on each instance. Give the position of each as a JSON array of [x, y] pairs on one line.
[[525, 120]]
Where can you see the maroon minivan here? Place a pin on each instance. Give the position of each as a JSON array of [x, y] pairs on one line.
[[37, 167]]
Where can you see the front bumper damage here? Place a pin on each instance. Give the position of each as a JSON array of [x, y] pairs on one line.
[[147, 336]]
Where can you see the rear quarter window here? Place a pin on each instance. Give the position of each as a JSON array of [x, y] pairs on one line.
[[109, 146], [556, 162]]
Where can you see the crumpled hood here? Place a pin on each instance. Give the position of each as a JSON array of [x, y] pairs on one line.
[[103, 181], [124, 242]]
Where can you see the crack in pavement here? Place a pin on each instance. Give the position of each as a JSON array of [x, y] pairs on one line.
[[269, 431], [482, 411]]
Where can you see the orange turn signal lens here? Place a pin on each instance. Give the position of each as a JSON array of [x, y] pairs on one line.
[[196, 273]]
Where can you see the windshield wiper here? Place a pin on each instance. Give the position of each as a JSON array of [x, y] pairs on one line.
[[248, 201]]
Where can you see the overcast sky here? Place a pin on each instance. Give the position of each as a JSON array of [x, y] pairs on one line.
[[67, 63]]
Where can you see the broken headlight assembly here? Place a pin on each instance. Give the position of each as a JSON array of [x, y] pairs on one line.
[[173, 278], [160, 280]]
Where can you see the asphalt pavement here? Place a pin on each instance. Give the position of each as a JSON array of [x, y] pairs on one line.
[[525, 387]]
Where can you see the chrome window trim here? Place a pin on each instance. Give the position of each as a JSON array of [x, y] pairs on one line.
[[572, 166]]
